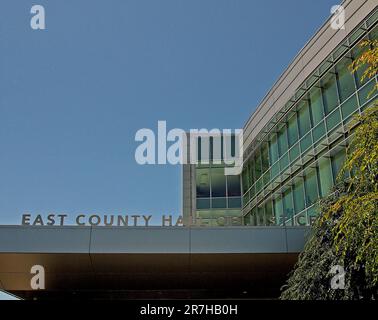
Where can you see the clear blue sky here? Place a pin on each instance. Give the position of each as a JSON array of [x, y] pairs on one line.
[[73, 96]]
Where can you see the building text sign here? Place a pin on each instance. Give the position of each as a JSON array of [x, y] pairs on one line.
[[134, 220]]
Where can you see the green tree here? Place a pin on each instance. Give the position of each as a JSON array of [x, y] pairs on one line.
[[346, 231]]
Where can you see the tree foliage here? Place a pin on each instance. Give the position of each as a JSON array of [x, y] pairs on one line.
[[346, 231]]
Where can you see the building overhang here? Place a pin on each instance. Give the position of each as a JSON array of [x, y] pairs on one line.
[[79, 260]]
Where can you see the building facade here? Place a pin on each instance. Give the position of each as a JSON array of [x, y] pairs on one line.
[[295, 142]]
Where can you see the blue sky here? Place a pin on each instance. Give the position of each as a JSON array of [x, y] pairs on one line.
[[72, 96]]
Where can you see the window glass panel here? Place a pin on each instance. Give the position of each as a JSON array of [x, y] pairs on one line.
[[234, 202], [284, 162], [269, 213], [316, 105], [349, 106], [275, 169], [356, 52], [288, 204], [203, 183], [245, 198], [312, 214], [218, 203], [345, 79], [264, 157], [337, 162], [330, 99], [292, 130], [304, 120], [294, 152], [278, 210], [203, 203], [254, 217], [260, 216], [273, 149], [233, 186], [245, 179], [282, 141], [311, 187], [333, 119], [365, 93], [257, 165], [306, 142], [251, 172], [218, 182], [318, 131], [325, 176], [266, 177], [258, 185], [299, 198]]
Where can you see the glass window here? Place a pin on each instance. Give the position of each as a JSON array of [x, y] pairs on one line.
[[292, 130], [278, 210], [203, 183], [311, 187], [254, 216], [203, 203], [273, 149], [337, 161], [282, 141], [233, 186], [318, 131], [329, 87], [269, 220], [251, 172], [304, 120], [325, 176], [306, 142], [299, 198], [245, 179], [218, 182], [365, 93], [264, 157], [333, 119], [349, 107], [284, 162], [288, 204], [356, 52], [275, 170], [316, 105], [260, 216], [218, 203], [345, 79], [294, 152], [257, 165], [234, 202]]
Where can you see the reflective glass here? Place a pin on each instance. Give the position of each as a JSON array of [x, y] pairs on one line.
[[292, 130], [282, 141], [329, 89], [345, 79], [278, 210], [311, 187], [337, 161], [233, 186], [325, 176], [304, 121], [273, 149], [316, 105], [218, 182], [299, 198], [203, 183]]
